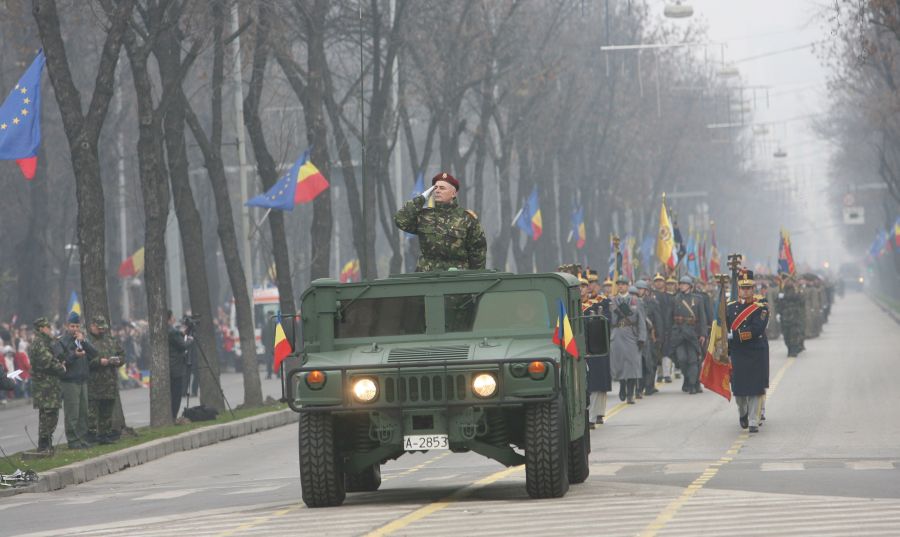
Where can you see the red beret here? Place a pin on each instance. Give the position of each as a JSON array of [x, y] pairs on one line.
[[446, 177]]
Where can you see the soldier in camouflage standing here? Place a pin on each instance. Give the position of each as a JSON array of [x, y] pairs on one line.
[[449, 236], [103, 384], [46, 370], [791, 308]]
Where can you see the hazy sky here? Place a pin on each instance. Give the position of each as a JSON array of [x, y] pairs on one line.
[[797, 88]]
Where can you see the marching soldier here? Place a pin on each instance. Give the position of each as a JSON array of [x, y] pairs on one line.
[[599, 379], [687, 336], [46, 370], [791, 309], [103, 384], [449, 236], [664, 301], [629, 335], [749, 351], [650, 352]]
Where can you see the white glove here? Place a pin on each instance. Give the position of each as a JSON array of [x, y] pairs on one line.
[[730, 335], [778, 317], [15, 375], [427, 192], [780, 295]]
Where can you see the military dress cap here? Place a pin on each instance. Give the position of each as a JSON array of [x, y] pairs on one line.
[[73, 318], [100, 321], [608, 281], [641, 284], [671, 279], [745, 278], [41, 322], [593, 276], [446, 177], [582, 279], [686, 279], [659, 278]]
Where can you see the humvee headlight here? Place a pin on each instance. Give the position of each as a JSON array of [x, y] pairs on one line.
[[365, 390], [484, 385], [315, 379], [537, 370]]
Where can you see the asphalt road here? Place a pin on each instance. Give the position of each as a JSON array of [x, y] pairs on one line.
[[827, 462], [19, 416]]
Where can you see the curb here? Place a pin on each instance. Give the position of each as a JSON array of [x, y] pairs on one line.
[[890, 312], [88, 470]]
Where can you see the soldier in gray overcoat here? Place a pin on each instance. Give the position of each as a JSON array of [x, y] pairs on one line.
[[628, 335]]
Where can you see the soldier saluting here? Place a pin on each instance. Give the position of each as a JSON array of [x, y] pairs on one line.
[[449, 236]]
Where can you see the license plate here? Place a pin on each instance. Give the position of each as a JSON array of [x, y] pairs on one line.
[[418, 442]]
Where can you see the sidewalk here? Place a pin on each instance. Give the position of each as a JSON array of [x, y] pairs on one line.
[[91, 469]]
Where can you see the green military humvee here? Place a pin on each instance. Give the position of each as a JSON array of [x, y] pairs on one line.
[[458, 360]]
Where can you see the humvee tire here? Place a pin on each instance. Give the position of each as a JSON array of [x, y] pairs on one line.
[[546, 450], [579, 467], [321, 477], [366, 481]]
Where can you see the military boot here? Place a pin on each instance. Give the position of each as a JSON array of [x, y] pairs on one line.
[[45, 445]]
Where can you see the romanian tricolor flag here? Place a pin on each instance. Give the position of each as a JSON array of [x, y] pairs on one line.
[[301, 185], [716, 371], [350, 272], [563, 335], [785, 255], [282, 347], [74, 303], [529, 217], [897, 233], [578, 229], [133, 265], [665, 242]]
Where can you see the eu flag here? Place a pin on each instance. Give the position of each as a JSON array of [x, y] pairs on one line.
[[300, 185], [20, 119]]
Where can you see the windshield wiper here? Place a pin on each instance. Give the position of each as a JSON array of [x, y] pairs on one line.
[[477, 296], [354, 299]]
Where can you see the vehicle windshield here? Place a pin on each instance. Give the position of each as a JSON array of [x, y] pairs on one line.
[[371, 317], [505, 310]]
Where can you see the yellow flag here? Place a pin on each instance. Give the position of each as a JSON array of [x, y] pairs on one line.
[[665, 243]]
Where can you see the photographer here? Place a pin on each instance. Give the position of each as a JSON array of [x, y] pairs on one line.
[[103, 385], [75, 354], [179, 343]]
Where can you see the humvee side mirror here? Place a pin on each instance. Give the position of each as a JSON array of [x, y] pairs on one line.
[[596, 335]]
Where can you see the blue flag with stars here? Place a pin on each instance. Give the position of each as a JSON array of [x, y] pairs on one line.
[[20, 119]]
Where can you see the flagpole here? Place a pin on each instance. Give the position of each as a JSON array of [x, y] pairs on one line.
[[256, 226]]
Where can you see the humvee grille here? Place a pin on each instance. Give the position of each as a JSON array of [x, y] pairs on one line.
[[426, 388], [415, 354]]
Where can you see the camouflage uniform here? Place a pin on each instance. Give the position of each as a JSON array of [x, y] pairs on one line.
[[103, 383], [46, 371], [792, 309], [449, 236]]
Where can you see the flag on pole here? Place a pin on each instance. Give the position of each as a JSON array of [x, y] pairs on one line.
[[627, 264], [529, 218], [716, 371], [133, 265], [282, 347], [693, 265], [785, 255], [300, 185], [897, 232], [350, 272], [563, 335], [20, 120], [615, 258], [578, 230], [701, 257], [715, 265], [74, 303], [665, 242], [680, 249]]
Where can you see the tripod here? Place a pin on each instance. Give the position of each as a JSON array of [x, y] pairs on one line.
[[195, 345]]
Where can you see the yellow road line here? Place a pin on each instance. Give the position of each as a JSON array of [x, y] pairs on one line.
[[259, 520], [426, 510], [669, 512]]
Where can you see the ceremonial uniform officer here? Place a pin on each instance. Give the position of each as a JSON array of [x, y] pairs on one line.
[[46, 370], [103, 385], [748, 348], [599, 379], [75, 353], [449, 236], [628, 336], [650, 352], [686, 337], [791, 309]]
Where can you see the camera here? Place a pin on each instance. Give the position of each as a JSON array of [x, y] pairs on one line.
[[190, 323]]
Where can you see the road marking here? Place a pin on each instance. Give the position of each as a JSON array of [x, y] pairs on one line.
[[669, 512], [870, 465], [260, 520], [166, 495], [781, 466], [415, 468], [426, 510], [254, 490]]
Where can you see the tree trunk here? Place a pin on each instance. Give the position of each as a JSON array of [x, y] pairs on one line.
[[83, 131], [265, 164], [168, 54]]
